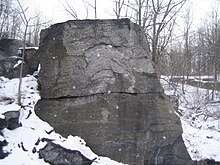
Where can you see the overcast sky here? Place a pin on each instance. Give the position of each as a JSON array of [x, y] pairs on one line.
[[53, 9]]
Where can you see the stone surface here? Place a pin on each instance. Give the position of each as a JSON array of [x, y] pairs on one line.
[[10, 59], [10, 46], [3, 124], [10, 66], [90, 57], [2, 55], [98, 82], [7, 65], [3, 142], [12, 119], [57, 155]]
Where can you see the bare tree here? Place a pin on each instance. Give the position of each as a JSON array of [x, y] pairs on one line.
[[73, 12], [162, 16], [6, 11], [36, 31], [4, 15], [157, 18], [10, 21], [118, 7], [69, 9], [187, 50], [94, 6], [34, 28], [27, 24], [209, 50], [140, 4], [135, 10], [15, 25], [214, 42]]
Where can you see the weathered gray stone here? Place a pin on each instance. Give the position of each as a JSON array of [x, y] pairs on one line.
[[12, 119], [128, 128], [90, 57], [2, 55], [10, 46], [10, 60], [98, 82], [3, 142], [57, 155], [3, 124]]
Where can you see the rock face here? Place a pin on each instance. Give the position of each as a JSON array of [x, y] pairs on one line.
[[9, 120], [57, 155], [9, 47], [98, 82], [10, 59]]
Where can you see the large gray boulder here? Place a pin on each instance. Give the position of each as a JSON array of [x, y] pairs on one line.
[[98, 82]]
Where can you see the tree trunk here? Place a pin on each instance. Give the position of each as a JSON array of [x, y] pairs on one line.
[[139, 13], [215, 80], [22, 65], [95, 8]]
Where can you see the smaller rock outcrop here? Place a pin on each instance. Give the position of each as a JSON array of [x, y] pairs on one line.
[[9, 120], [56, 155], [10, 47], [10, 59], [3, 143], [12, 119]]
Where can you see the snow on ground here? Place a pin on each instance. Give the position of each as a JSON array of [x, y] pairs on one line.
[[23, 140], [200, 119]]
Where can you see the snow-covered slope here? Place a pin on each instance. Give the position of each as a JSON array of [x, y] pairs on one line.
[[22, 141], [200, 117]]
